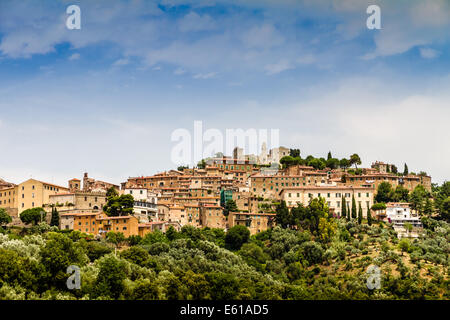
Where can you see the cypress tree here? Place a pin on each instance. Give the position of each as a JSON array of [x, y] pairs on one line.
[[369, 217], [359, 214], [344, 210], [55, 218], [405, 171], [353, 207]]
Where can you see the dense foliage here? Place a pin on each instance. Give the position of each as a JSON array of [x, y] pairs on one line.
[[320, 258]]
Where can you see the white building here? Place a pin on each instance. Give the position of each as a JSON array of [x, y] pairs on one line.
[[145, 204], [276, 154], [399, 214]]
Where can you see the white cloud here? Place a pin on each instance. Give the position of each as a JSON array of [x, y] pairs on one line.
[[179, 71], [121, 62], [264, 36], [209, 75], [74, 56], [278, 67], [429, 53], [194, 22]]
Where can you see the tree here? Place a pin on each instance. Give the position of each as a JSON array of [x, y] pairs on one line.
[[294, 153], [136, 255], [428, 207], [230, 206], [115, 238], [316, 209], [222, 286], [405, 170], [417, 198], [326, 229], [344, 164], [201, 164], [33, 216], [394, 169], [360, 214], [404, 245], [119, 205], [355, 160], [318, 164], [384, 192], [313, 252], [5, 218], [287, 161], [344, 209], [110, 279], [445, 209], [441, 195], [369, 217], [296, 216], [55, 218], [400, 194], [332, 163], [59, 253], [172, 234], [111, 192], [236, 237], [282, 215], [353, 207], [329, 155]]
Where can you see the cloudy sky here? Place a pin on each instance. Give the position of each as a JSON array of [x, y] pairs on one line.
[[105, 99]]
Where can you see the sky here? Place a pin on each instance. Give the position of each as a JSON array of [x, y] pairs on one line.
[[106, 99]]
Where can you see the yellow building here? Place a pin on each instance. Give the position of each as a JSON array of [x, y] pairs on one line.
[[332, 195], [255, 222], [100, 224], [29, 194]]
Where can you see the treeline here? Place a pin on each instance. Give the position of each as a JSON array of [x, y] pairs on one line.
[[294, 158], [314, 257], [435, 203]]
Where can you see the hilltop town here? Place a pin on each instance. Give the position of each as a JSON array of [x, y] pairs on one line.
[[220, 192], [272, 226]]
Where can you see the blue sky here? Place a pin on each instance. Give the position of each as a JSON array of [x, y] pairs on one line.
[[106, 98]]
